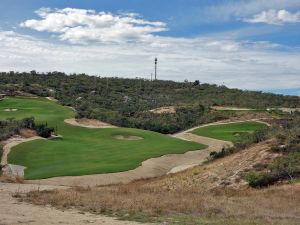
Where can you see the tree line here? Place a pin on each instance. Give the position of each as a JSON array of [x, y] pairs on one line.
[[126, 102]]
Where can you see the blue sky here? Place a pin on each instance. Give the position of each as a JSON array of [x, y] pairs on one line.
[[248, 44]]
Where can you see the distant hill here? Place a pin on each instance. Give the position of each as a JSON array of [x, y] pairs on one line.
[[126, 102]]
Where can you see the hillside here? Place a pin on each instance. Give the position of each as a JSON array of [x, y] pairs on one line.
[[128, 102], [212, 193]]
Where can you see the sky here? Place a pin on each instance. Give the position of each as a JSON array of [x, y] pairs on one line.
[[246, 44]]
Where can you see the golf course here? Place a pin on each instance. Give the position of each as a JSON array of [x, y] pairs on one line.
[[82, 151], [228, 132]]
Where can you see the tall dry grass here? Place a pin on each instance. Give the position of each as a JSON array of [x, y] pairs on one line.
[[270, 204]]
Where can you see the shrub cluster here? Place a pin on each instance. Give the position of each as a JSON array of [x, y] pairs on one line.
[[287, 166], [12, 127]]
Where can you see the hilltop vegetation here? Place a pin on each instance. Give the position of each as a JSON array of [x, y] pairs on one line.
[[126, 102]]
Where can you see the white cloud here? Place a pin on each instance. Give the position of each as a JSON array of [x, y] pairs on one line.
[[83, 26], [275, 17], [236, 64], [224, 11]]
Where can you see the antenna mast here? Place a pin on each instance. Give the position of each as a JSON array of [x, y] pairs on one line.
[[155, 62]]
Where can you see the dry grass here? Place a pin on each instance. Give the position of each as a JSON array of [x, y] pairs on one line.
[[9, 179], [274, 204], [210, 191]]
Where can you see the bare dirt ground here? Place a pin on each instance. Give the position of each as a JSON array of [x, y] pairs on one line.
[[14, 212], [225, 171], [164, 109], [88, 123], [231, 108], [27, 133]]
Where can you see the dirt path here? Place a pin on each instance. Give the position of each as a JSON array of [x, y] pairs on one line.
[[11, 142], [13, 212]]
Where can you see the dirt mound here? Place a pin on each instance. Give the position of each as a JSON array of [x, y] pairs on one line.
[[27, 133], [164, 109], [88, 123], [127, 137]]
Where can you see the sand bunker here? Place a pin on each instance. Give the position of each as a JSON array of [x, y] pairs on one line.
[[88, 123], [231, 108], [127, 137], [165, 109], [10, 110], [52, 99]]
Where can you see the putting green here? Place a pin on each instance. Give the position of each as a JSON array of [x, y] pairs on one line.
[[228, 132], [83, 151]]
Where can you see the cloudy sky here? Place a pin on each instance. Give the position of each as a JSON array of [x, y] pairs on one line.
[[248, 44]]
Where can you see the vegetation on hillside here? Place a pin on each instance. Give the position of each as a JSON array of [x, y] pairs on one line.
[[126, 102], [287, 165]]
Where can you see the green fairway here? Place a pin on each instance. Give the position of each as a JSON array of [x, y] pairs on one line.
[[228, 132], [82, 151]]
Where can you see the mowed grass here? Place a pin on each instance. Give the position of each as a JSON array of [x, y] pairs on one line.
[[82, 151], [228, 132]]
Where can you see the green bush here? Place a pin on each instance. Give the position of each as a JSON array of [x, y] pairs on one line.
[[43, 131], [247, 139], [260, 179], [224, 152]]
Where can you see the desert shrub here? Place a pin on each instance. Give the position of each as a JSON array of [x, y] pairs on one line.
[[260, 179], [224, 152], [43, 131], [287, 166], [247, 139]]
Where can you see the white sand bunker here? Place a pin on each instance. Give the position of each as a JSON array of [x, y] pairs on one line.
[[10, 110], [127, 137]]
